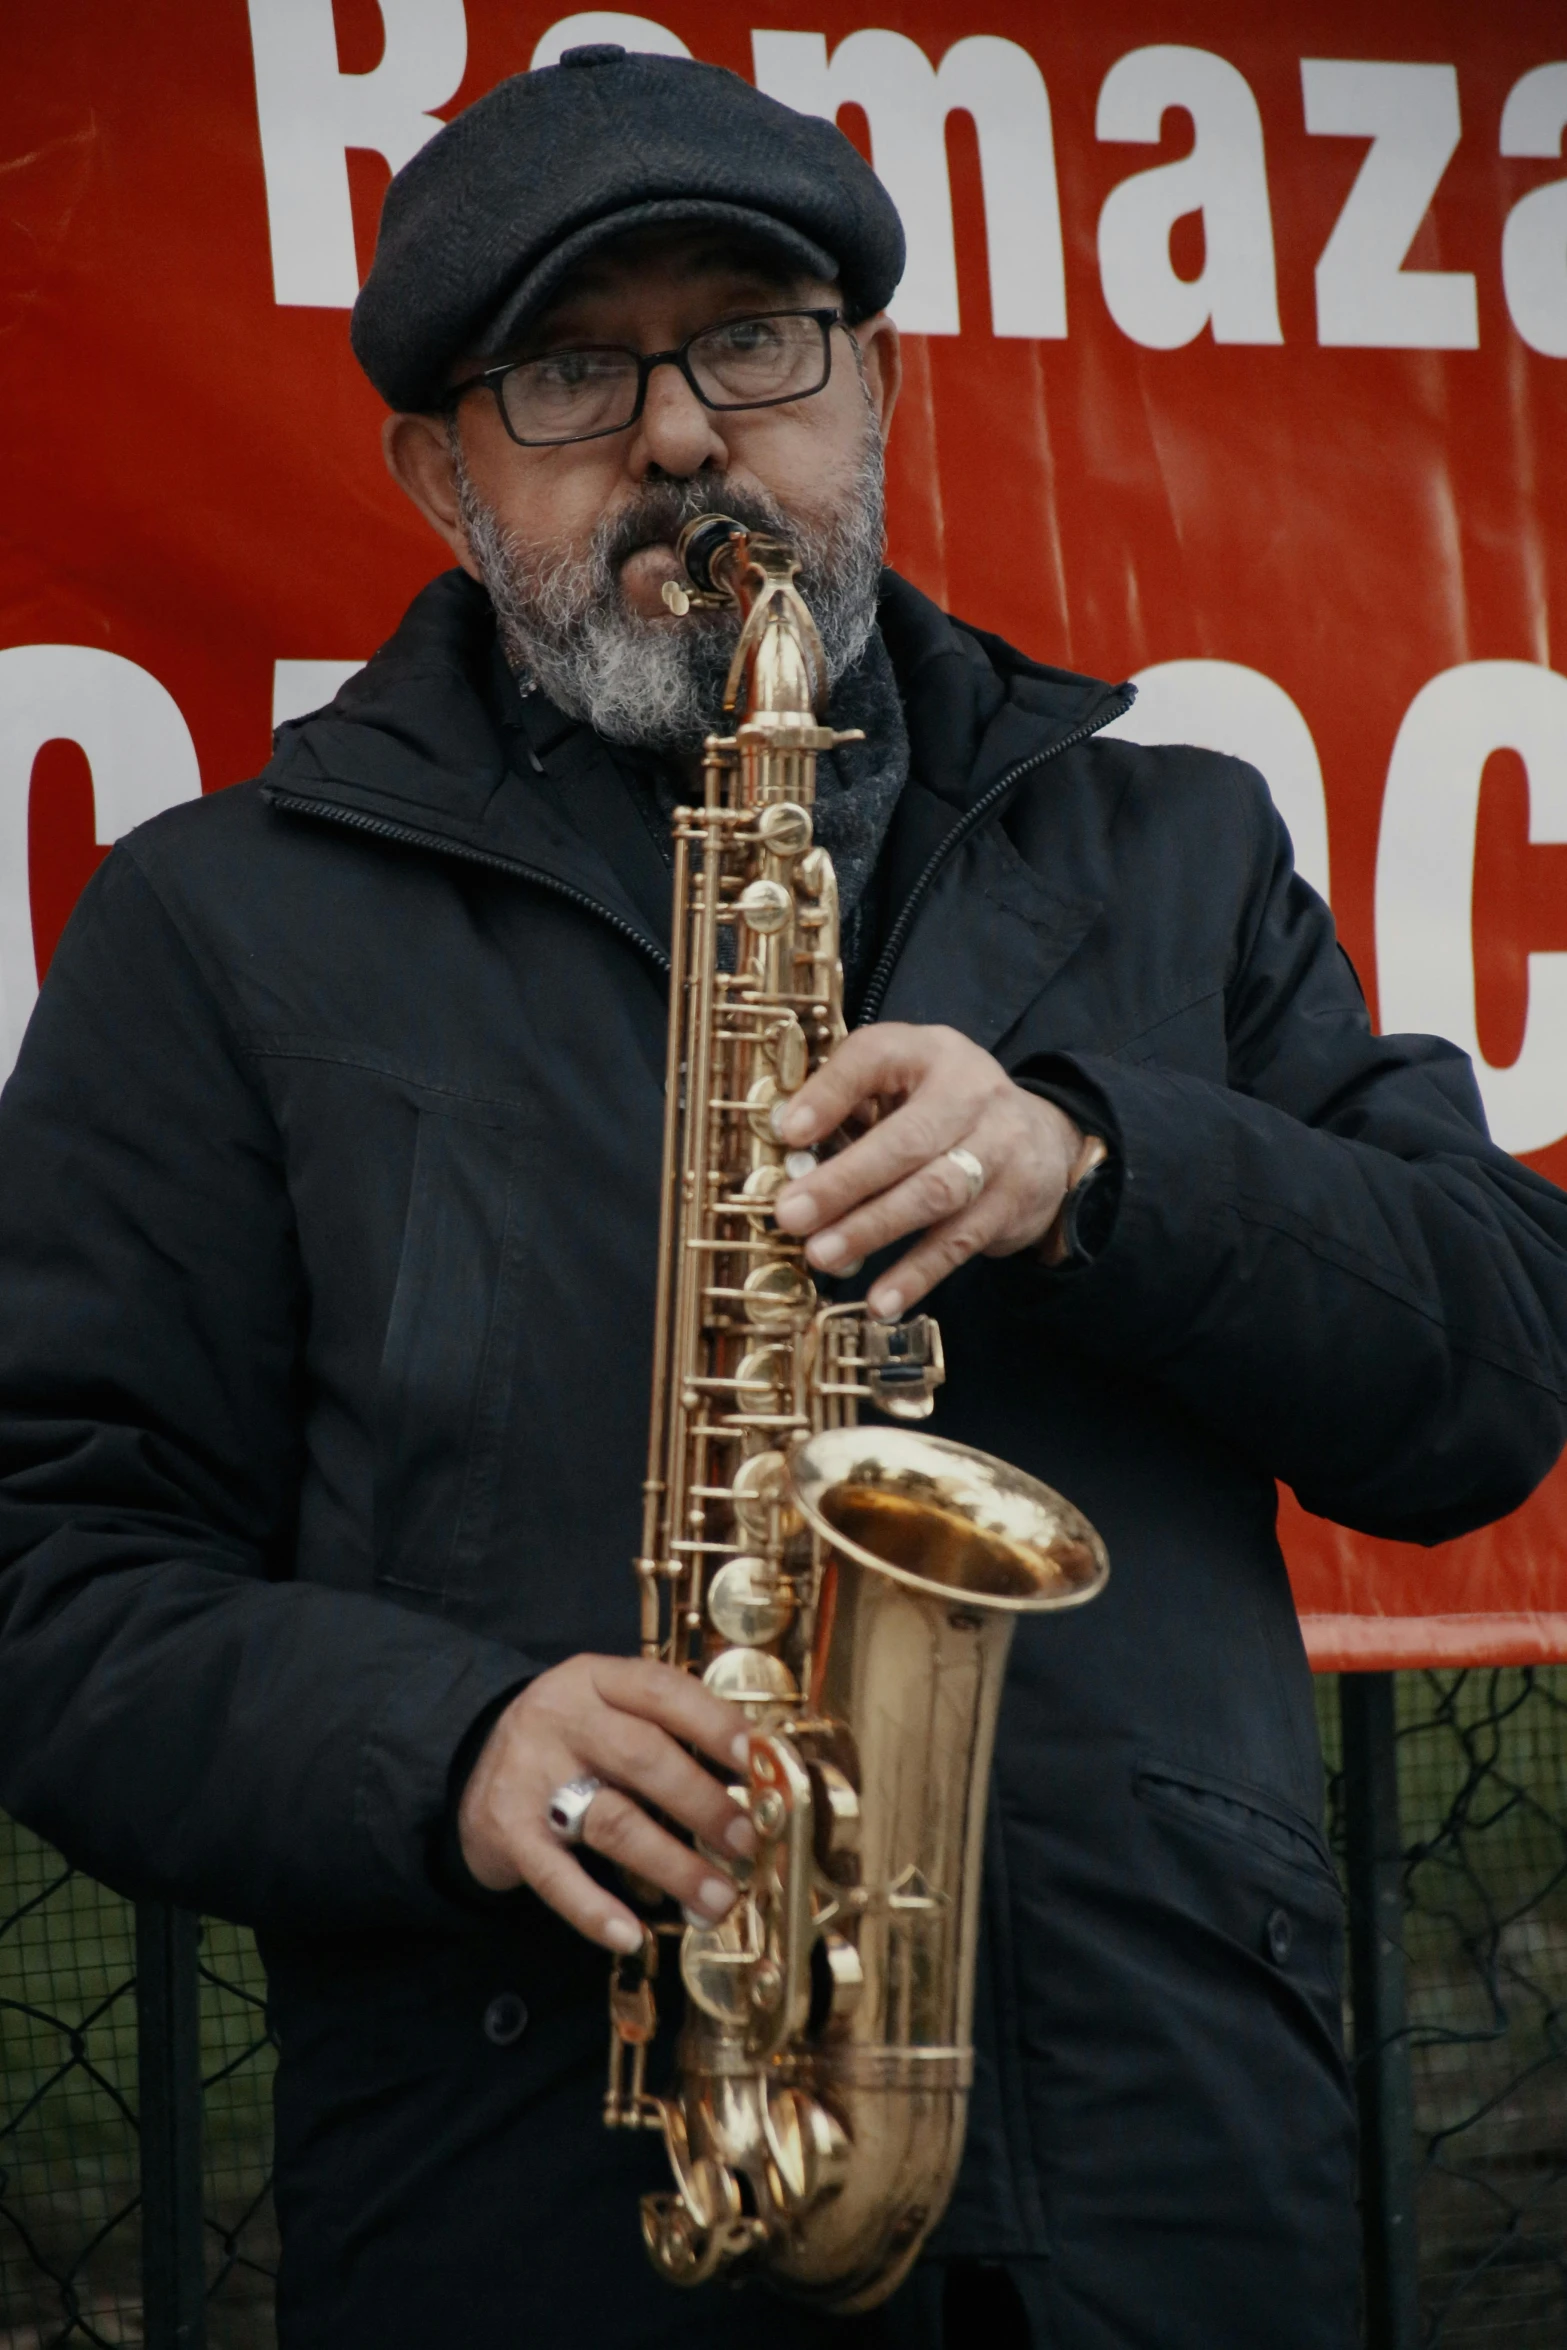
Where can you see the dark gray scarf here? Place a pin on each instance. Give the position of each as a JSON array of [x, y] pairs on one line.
[[857, 789]]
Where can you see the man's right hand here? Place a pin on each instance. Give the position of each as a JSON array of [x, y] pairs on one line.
[[628, 1722]]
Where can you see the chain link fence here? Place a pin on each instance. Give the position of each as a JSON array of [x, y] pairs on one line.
[[71, 2234], [1481, 1840], [1479, 1870]]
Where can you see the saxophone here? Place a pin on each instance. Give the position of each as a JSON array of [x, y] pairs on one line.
[[852, 1591]]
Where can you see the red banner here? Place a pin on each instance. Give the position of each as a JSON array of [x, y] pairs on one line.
[[1236, 343]]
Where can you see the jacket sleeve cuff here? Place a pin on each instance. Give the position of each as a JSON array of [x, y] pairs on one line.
[[1054, 1077], [1172, 1187], [448, 1867], [429, 1716]]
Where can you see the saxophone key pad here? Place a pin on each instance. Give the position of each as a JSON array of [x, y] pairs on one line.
[[761, 1484], [760, 1101], [765, 906], [759, 1190], [786, 828], [750, 1676], [748, 1604], [779, 1296]]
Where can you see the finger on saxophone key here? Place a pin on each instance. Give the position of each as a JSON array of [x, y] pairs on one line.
[[715, 1899]]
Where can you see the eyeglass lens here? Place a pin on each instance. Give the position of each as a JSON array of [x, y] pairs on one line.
[[741, 363]]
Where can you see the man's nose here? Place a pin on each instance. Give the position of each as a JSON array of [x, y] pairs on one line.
[[675, 433]]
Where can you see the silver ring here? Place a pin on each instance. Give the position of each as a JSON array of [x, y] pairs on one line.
[[568, 1808], [971, 1169]]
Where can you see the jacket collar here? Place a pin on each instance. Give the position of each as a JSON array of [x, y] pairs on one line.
[[432, 742]]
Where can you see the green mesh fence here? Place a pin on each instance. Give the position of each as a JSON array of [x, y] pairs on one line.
[[70, 2222], [1483, 1801], [1483, 1804], [237, 2062], [70, 2239]]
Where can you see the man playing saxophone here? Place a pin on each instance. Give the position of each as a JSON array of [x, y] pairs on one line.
[[328, 1227]]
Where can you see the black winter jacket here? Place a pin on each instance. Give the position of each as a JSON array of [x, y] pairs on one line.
[[327, 1215]]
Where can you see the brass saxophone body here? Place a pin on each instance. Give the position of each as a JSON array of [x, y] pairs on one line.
[[852, 1590]]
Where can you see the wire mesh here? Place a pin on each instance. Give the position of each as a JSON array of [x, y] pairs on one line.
[[1483, 1798], [70, 2220], [1482, 1759], [70, 2237], [237, 2064]]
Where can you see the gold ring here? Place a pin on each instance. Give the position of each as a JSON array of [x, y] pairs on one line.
[[971, 1169]]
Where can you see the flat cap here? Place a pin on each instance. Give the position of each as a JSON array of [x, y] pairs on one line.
[[487, 220]]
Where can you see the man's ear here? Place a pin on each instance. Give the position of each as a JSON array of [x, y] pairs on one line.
[[418, 456], [881, 350]]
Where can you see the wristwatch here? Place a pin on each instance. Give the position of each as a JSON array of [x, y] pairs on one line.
[[1066, 1241]]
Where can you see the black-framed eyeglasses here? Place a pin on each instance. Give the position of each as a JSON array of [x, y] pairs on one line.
[[582, 395]]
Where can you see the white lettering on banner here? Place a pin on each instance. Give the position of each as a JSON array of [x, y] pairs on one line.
[[1225, 178], [142, 759], [907, 101], [1534, 240], [1224, 706], [1425, 879], [311, 114], [1366, 298], [605, 24], [298, 687]]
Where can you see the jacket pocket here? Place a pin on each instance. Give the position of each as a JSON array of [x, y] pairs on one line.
[[1246, 1867], [1231, 1808], [443, 1392]]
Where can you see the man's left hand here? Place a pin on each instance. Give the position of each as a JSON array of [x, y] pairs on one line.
[[931, 1092]]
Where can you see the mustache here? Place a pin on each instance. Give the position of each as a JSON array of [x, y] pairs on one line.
[[663, 508], [565, 624]]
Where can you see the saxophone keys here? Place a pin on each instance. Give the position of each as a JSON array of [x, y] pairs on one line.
[[779, 1296], [835, 1811], [759, 1190], [682, 2252], [846, 1974], [809, 2148], [716, 1965], [791, 1054], [751, 1676], [761, 1484], [762, 1377], [747, 1603], [761, 1099], [765, 906], [785, 827]]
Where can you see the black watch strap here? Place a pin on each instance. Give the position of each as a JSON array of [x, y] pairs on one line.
[[1082, 1221]]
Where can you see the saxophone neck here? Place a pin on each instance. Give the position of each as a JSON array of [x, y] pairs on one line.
[[779, 670]]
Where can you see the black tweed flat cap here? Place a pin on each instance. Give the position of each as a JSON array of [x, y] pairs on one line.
[[487, 220]]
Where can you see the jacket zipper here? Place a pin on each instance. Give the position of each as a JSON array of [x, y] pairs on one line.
[[411, 837], [897, 937]]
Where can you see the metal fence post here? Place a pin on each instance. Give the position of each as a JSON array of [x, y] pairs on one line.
[[1373, 1861], [168, 2019]]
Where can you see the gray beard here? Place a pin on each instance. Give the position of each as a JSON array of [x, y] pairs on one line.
[[565, 627]]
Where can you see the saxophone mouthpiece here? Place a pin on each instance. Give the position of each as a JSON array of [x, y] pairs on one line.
[[699, 546]]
